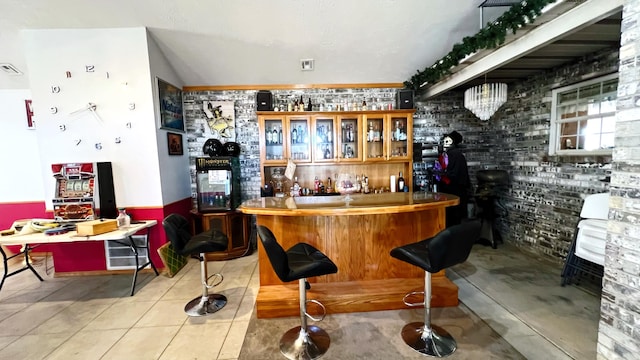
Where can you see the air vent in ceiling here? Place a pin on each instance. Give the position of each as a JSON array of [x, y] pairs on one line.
[[10, 69]]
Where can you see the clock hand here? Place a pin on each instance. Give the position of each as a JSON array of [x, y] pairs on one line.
[[90, 106]]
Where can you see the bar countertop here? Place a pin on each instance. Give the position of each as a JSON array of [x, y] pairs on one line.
[[361, 204]]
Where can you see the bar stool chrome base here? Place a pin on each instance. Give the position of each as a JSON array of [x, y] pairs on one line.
[[300, 345], [434, 341], [205, 305]]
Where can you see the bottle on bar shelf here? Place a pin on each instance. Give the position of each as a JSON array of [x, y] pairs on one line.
[[400, 182]]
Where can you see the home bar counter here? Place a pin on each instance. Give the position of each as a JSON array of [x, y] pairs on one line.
[[357, 236]]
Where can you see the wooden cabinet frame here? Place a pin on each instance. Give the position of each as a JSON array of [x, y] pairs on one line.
[[380, 167]]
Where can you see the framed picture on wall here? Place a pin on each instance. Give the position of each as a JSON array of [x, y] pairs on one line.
[[174, 142], [170, 100]]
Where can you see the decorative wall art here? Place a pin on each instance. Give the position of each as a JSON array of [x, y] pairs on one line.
[[221, 119], [174, 142], [170, 100]]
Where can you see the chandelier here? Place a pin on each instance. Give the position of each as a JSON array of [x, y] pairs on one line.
[[483, 100]]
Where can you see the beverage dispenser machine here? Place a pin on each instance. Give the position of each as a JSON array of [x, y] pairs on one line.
[[218, 183]]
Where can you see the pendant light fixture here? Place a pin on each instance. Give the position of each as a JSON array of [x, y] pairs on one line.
[[484, 100]]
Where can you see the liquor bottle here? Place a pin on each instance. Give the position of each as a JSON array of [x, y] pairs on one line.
[[294, 136], [396, 132], [329, 185], [309, 106], [316, 185], [364, 105], [269, 136], [274, 136], [296, 187], [400, 182], [280, 135]]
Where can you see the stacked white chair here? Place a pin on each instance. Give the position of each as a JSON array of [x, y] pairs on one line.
[[586, 255]]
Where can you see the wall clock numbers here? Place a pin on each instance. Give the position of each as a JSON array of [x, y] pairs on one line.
[[89, 68], [55, 89]]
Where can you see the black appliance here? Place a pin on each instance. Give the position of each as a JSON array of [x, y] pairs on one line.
[[490, 184]]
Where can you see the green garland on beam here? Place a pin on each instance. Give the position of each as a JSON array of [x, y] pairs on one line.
[[489, 37]]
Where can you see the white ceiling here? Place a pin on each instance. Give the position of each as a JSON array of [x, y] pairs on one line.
[[242, 42]]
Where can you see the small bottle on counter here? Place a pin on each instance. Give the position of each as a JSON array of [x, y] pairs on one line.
[[123, 219], [295, 189]]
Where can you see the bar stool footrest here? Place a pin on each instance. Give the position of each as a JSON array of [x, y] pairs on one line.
[[324, 310], [404, 299]]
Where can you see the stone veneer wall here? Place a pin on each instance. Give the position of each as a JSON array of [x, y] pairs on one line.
[[545, 195], [619, 332], [197, 131]]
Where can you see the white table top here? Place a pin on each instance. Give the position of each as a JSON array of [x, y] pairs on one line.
[[71, 236]]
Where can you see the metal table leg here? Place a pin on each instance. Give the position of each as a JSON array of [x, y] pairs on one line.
[[5, 260], [139, 267]]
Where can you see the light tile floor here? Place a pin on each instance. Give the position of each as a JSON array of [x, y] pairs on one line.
[[93, 317]]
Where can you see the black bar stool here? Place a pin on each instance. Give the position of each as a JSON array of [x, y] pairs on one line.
[[298, 263], [449, 247], [178, 231]]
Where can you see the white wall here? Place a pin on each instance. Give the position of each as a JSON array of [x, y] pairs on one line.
[[175, 179], [19, 156], [123, 54]]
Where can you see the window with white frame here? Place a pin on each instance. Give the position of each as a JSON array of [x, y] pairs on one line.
[[583, 117]]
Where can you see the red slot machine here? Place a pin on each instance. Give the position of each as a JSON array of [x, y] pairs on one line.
[[84, 191]]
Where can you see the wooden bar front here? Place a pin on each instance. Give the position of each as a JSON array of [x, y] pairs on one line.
[[357, 236]]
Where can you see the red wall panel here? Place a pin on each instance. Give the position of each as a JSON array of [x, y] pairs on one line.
[[90, 256]]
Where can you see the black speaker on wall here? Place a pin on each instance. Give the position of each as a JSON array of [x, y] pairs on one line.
[[264, 100], [106, 193], [404, 99]]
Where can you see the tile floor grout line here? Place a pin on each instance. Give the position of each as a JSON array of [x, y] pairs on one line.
[[246, 287]]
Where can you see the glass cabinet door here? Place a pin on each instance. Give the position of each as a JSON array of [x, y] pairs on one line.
[[400, 128], [324, 139], [299, 138], [273, 139], [374, 133], [349, 138]]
